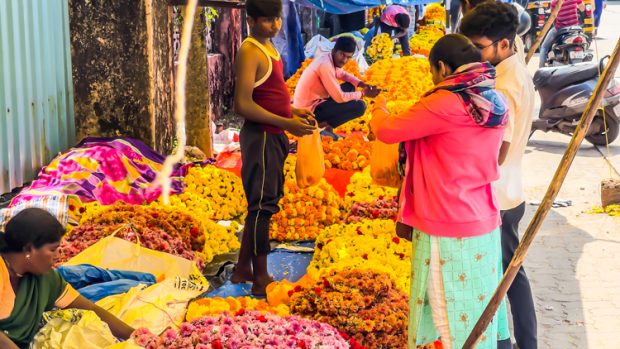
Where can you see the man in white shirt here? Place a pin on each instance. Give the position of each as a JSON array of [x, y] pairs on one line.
[[492, 27], [468, 5]]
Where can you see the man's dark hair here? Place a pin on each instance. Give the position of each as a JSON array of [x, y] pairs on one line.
[[473, 3], [403, 20], [494, 20], [454, 50], [263, 8], [30, 227], [345, 44]]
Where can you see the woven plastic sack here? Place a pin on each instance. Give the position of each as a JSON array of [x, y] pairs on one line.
[[73, 329], [156, 307], [114, 253]]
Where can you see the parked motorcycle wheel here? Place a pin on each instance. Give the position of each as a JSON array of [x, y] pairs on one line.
[[612, 131]]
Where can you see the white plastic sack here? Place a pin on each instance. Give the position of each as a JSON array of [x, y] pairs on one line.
[[320, 45]]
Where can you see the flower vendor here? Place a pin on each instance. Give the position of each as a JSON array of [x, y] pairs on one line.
[[452, 140], [318, 88], [29, 286], [263, 100], [395, 21], [492, 27]]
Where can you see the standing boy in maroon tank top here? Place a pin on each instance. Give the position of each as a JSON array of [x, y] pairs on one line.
[[263, 100]]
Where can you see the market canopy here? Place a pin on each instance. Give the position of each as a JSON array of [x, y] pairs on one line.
[[341, 7]]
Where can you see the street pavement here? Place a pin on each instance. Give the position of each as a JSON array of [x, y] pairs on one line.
[[574, 263]]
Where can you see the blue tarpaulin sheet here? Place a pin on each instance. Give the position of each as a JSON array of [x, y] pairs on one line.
[[281, 264], [341, 7], [95, 283]]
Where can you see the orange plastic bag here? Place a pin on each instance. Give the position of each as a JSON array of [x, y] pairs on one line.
[[384, 164], [310, 166]]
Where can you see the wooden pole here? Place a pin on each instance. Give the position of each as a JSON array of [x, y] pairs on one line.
[[545, 206], [544, 31]]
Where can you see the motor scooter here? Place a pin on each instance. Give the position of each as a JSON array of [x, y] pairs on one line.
[[570, 46], [564, 93]]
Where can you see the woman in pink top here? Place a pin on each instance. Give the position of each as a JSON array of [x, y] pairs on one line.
[[451, 138]]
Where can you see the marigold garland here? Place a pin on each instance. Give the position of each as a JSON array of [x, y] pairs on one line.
[[401, 79], [218, 305], [350, 153], [87, 235], [361, 303], [304, 212], [381, 47], [185, 220], [222, 189], [424, 40], [361, 189], [369, 244], [382, 208], [435, 14], [361, 125]]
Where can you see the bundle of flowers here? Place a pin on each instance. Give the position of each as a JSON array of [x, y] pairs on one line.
[[382, 208], [360, 124], [435, 14], [352, 68], [361, 189], [216, 306], [381, 47], [361, 303], [173, 221], [401, 79], [218, 239], [222, 189], [369, 244], [206, 237], [304, 212], [350, 153], [291, 83], [424, 40], [371, 13], [86, 235], [251, 330]]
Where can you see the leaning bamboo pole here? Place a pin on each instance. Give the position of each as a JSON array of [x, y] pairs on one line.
[[544, 30], [545, 206]]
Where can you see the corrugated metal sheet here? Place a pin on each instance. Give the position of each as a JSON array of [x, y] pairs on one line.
[[36, 90]]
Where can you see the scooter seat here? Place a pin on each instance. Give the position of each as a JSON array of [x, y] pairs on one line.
[[558, 77], [571, 29]]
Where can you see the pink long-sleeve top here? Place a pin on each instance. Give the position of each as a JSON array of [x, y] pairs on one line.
[[320, 81], [451, 163]]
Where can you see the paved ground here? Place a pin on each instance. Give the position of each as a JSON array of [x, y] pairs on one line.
[[573, 264]]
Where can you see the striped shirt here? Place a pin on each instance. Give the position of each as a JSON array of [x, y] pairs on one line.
[[568, 14]]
